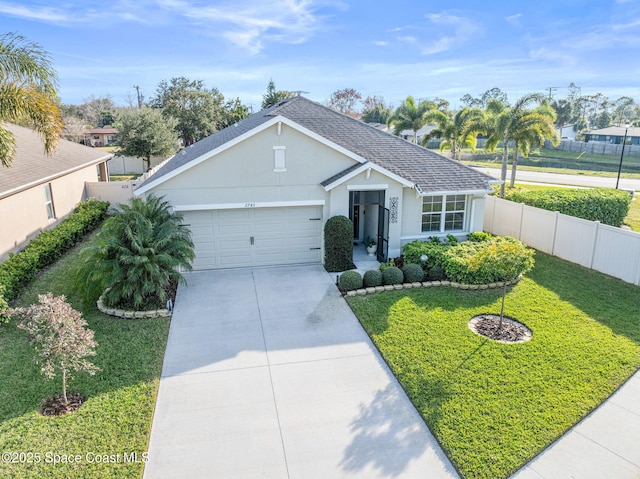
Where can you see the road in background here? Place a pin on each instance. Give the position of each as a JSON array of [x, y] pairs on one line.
[[562, 179]]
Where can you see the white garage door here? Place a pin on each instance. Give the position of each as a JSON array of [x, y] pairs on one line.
[[255, 236]]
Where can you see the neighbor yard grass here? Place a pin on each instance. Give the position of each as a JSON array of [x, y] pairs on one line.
[[494, 406], [116, 417]]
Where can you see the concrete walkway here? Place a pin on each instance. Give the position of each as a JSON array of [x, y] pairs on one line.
[[268, 374], [604, 444]]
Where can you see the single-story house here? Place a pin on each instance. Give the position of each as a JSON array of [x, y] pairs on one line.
[[259, 192], [567, 132], [615, 135], [37, 191], [104, 136]]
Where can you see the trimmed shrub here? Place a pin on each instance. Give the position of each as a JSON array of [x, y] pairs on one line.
[[338, 244], [436, 273], [350, 280], [392, 275], [413, 273], [607, 205], [4, 317], [17, 271], [479, 236], [500, 259], [433, 248], [372, 277]]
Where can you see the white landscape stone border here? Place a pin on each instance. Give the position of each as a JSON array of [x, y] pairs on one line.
[[121, 313], [428, 284]]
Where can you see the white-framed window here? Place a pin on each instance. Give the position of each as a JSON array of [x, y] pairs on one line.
[[279, 163], [441, 213], [48, 202]]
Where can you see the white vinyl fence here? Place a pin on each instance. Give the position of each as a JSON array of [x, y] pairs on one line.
[[115, 192], [604, 248]]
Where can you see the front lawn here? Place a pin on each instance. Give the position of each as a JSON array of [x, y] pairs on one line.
[[116, 418], [494, 406]]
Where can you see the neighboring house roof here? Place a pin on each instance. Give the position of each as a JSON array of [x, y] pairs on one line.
[[422, 168], [31, 166], [616, 131], [105, 130], [421, 132]]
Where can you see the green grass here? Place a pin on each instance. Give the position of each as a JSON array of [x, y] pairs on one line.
[[548, 160], [117, 415], [123, 177], [494, 406]]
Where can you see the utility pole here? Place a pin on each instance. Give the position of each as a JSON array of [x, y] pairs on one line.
[[551, 90], [139, 96]]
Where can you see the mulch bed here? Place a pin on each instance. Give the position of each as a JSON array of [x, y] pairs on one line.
[[511, 330], [55, 406]]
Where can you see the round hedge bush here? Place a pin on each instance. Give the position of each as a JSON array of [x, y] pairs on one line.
[[413, 273], [392, 275], [436, 273], [372, 278], [350, 280]]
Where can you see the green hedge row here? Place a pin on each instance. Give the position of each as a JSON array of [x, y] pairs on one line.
[[606, 205], [483, 259], [20, 268]]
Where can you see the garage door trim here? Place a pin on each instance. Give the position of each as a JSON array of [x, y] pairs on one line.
[[249, 204]]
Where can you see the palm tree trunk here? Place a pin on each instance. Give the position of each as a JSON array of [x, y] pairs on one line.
[[503, 172], [454, 149], [504, 293], [514, 166]]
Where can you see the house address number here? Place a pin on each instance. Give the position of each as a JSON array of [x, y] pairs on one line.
[[249, 205]]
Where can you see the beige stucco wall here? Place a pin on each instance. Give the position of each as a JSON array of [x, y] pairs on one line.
[[245, 173], [24, 214], [412, 208]]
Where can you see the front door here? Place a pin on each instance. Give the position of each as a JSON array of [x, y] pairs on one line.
[[383, 234]]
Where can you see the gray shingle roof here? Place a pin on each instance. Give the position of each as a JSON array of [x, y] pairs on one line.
[[31, 166], [428, 170]]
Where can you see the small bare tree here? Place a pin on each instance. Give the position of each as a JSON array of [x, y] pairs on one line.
[[60, 337]]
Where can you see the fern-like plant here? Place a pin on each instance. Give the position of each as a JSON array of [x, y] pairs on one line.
[[138, 253]]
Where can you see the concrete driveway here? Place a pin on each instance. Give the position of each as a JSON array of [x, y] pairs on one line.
[[268, 374]]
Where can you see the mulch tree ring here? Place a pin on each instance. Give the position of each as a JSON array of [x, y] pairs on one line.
[[511, 330], [55, 406]]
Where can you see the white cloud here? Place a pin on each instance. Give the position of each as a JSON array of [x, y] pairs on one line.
[[381, 43], [251, 24], [47, 14], [463, 30], [514, 19]]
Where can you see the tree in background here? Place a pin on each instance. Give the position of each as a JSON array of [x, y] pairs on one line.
[[145, 133], [529, 130], [345, 101], [98, 111], [27, 94], [198, 111], [501, 125], [409, 116], [234, 111], [375, 110], [74, 129], [483, 100], [457, 131], [273, 96]]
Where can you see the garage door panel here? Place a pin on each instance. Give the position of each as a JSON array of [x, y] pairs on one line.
[[285, 235]]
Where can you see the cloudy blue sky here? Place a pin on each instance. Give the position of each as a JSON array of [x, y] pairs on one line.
[[430, 48]]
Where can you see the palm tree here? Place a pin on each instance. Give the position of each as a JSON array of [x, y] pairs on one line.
[[137, 255], [457, 132], [501, 126], [529, 130], [409, 116], [27, 94]]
